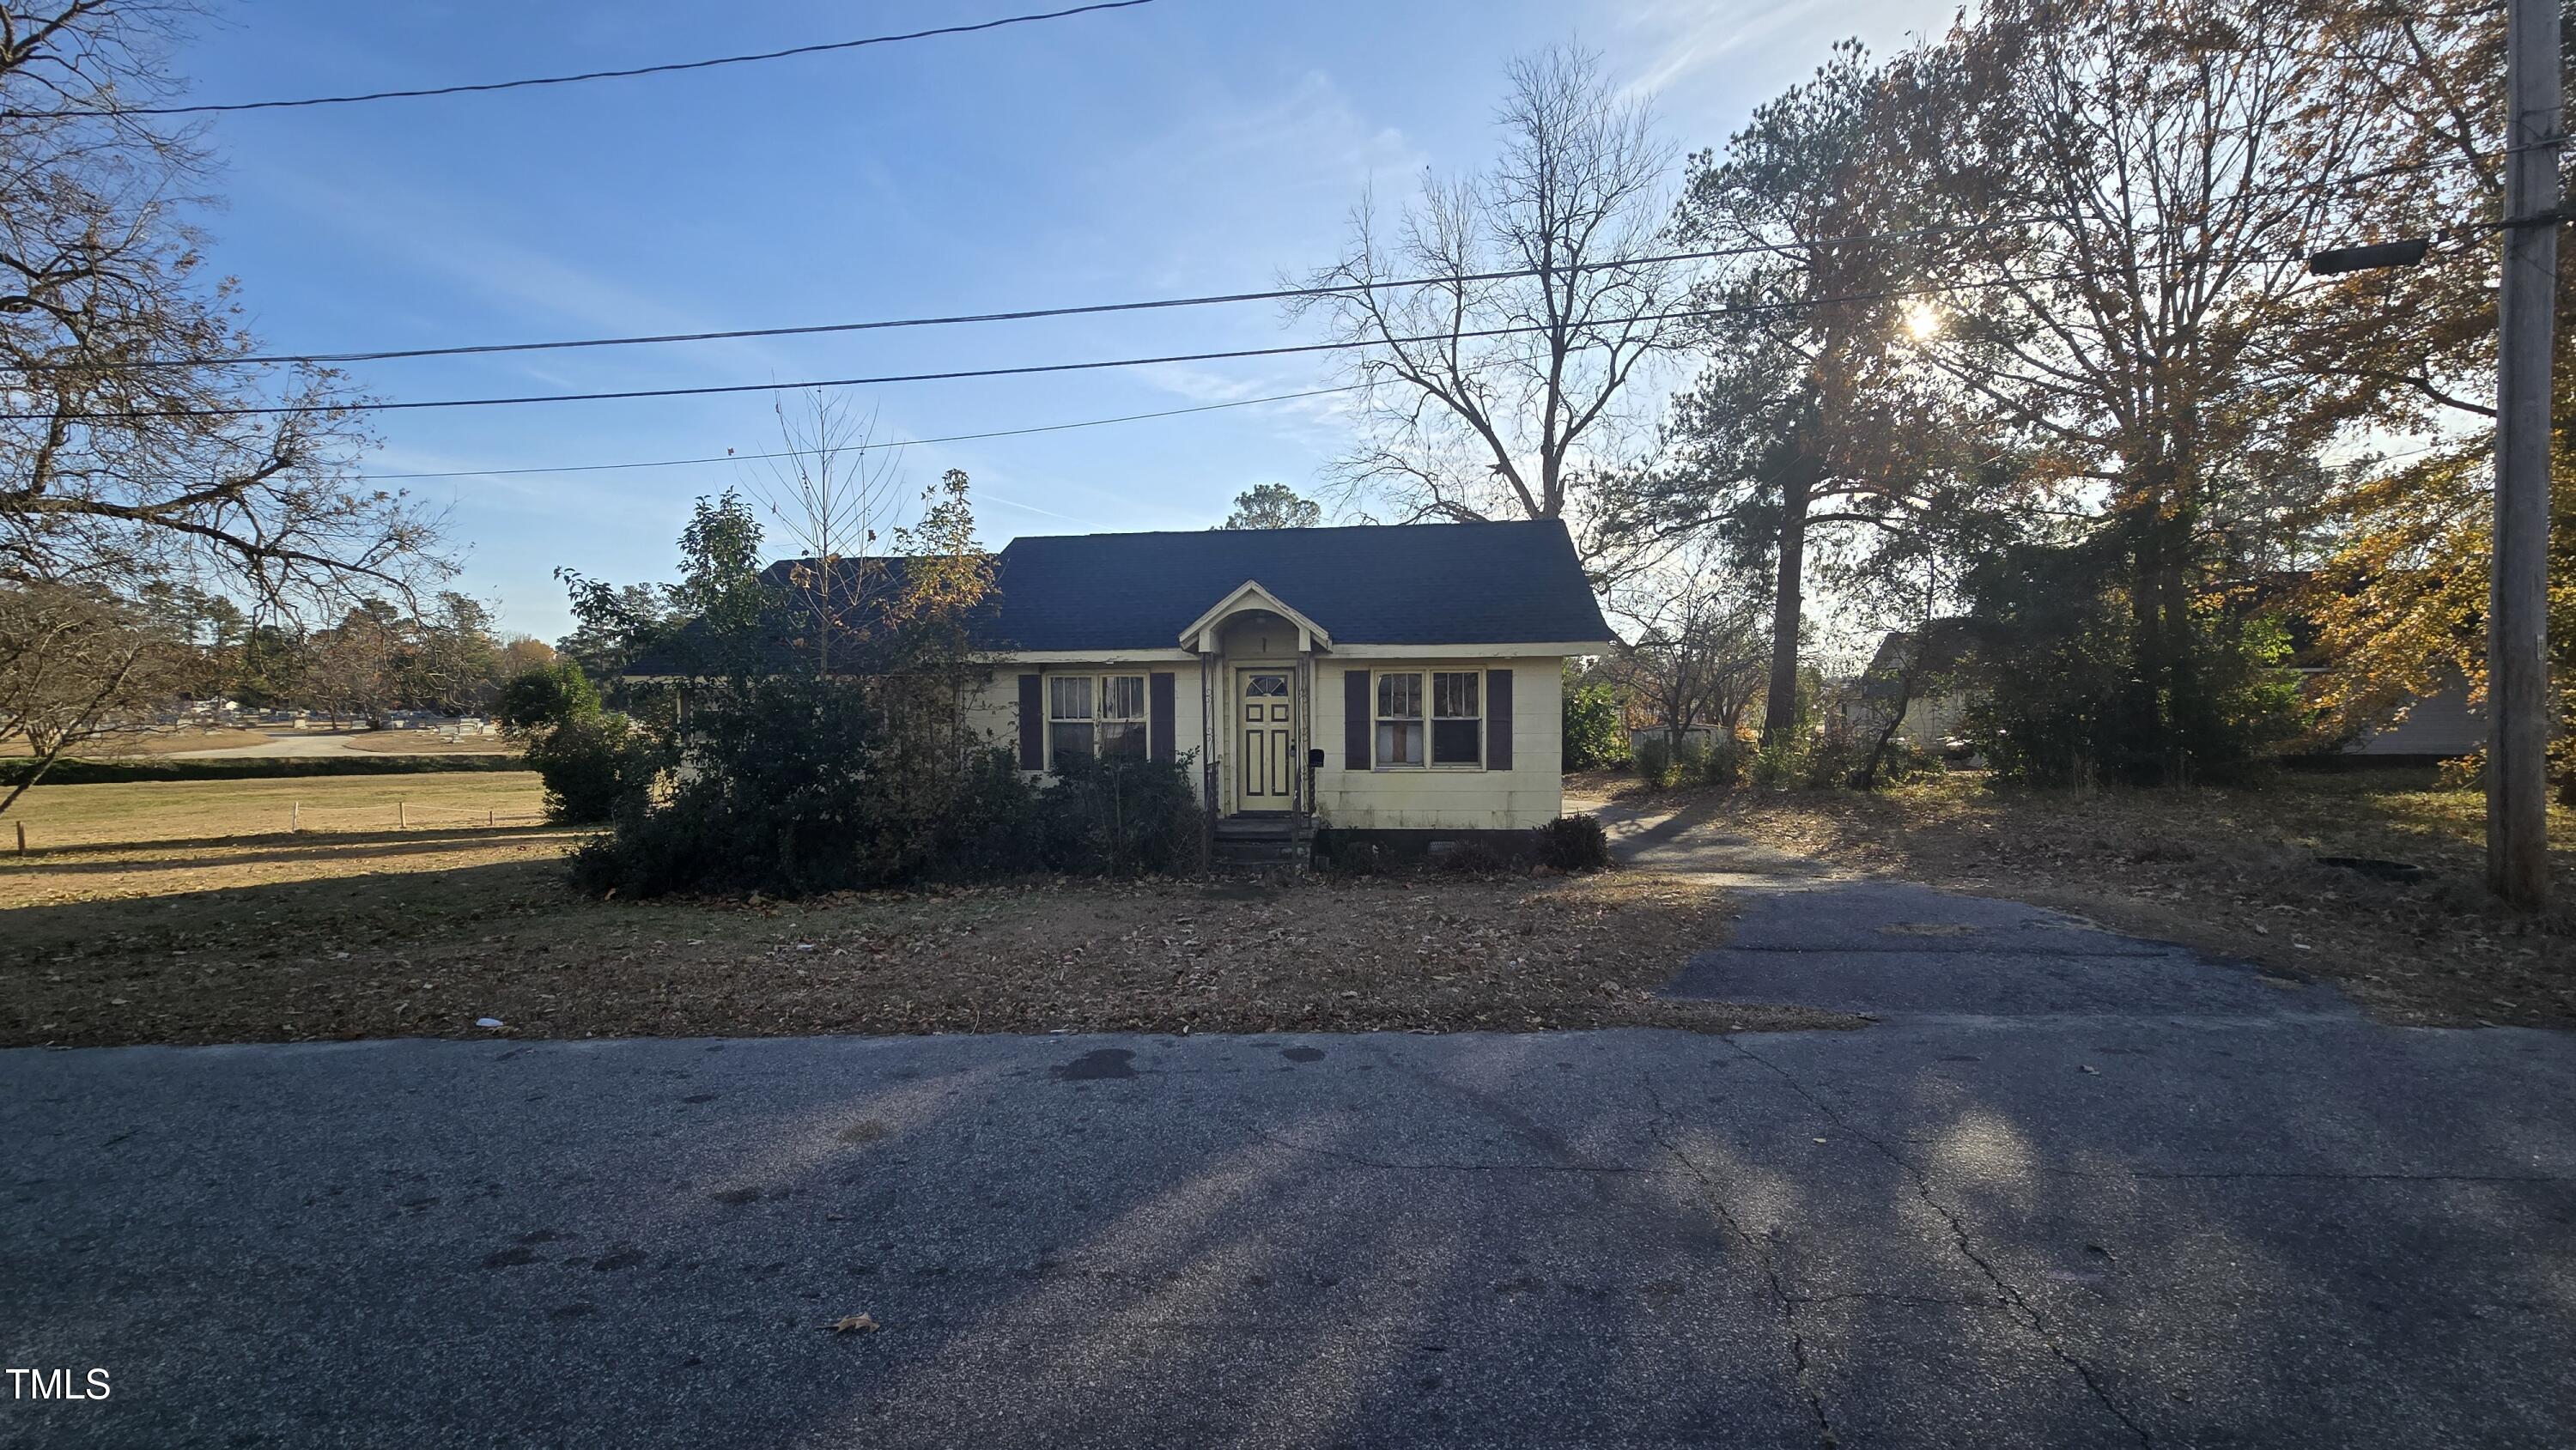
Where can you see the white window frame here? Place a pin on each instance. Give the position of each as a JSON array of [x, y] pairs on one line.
[[1096, 716], [1136, 725], [1433, 718], [1380, 719]]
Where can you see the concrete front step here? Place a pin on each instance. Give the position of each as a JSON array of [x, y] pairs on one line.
[[1262, 843], [1259, 855]]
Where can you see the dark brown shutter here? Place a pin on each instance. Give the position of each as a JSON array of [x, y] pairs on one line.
[[1355, 720], [1032, 722], [1498, 719], [1158, 716]]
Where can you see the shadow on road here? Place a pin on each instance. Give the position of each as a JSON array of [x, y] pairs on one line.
[[1902, 1237]]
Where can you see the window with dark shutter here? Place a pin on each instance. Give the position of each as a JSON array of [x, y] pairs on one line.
[[1032, 722], [1355, 720], [1498, 719], [1158, 712]]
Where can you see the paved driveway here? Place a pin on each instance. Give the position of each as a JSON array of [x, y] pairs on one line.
[[2071, 1190], [285, 743]]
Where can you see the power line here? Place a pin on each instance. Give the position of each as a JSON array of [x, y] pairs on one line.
[[899, 443], [1092, 309], [596, 75], [1090, 365], [1275, 294]]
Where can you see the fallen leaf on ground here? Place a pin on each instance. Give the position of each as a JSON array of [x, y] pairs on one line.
[[855, 1324]]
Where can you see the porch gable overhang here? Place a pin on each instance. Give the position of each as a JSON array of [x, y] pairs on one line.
[[1250, 595]]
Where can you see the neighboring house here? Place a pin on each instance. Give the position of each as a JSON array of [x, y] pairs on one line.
[[1700, 734], [1398, 679], [1937, 707], [2439, 726]]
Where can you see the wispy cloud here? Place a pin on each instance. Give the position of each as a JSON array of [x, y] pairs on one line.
[[426, 234], [1676, 39], [1678, 43], [1307, 135]]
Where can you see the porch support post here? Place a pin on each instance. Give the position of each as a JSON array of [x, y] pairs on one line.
[[1207, 747], [1304, 744]]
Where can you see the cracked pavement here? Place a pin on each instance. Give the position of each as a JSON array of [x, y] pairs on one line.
[[2069, 1190]]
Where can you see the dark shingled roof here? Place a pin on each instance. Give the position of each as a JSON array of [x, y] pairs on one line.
[[1496, 583], [1390, 584]]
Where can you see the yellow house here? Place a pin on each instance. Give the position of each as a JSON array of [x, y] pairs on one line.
[[1398, 683]]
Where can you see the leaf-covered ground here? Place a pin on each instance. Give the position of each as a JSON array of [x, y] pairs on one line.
[[295, 939], [2235, 872]]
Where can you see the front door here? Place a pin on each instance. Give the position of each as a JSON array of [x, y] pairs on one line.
[[1265, 762]]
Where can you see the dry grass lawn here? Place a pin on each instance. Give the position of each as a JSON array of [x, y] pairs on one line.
[[212, 810], [2233, 872], [307, 937]]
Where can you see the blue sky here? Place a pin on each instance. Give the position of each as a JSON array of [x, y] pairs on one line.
[[1180, 147]]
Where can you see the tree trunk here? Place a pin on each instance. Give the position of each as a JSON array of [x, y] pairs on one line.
[[1905, 684], [1780, 709]]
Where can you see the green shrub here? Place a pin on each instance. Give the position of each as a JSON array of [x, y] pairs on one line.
[[1121, 816], [545, 696], [794, 786], [2069, 689], [590, 763], [1655, 761], [1782, 764], [1728, 758], [992, 829], [1690, 761], [1345, 855], [1906, 761], [1574, 843], [1596, 736], [1470, 858]]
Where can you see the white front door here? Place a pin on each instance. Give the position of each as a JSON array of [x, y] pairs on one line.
[[1265, 747]]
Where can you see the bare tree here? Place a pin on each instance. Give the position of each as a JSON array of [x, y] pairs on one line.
[[1487, 396], [2153, 339], [833, 492], [76, 665], [353, 669], [131, 445], [1699, 648]]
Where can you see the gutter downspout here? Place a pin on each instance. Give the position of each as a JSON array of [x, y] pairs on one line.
[[1207, 751]]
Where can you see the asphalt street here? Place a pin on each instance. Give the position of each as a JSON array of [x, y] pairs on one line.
[[2070, 1190]]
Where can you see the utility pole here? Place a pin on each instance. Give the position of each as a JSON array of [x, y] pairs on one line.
[[2517, 620]]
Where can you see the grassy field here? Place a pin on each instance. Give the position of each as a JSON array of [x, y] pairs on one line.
[[214, 810], [195, 929], [2235, 872]]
